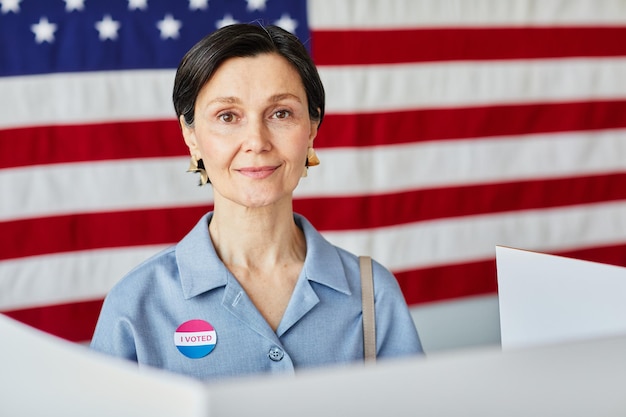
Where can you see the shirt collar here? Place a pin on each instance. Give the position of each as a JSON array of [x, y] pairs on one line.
[[201, 270], [322, 263]]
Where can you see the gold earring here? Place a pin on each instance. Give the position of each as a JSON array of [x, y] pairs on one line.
[[311, 161], [311, 158], [196, 165]]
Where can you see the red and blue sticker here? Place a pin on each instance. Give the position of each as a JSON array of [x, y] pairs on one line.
[[195, 338]]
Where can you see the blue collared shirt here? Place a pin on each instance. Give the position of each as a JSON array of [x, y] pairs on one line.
[[322, 324]]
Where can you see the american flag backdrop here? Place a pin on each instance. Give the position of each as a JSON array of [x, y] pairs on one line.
[[452, 126]]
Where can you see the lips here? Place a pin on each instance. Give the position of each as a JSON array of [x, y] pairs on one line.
[[258, 172]]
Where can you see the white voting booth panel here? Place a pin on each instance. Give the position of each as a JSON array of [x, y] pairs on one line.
[[552, 299], [41, 375], [44, 376], [586, 379]]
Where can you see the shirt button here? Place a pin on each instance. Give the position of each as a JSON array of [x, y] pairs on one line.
[[276, 354]]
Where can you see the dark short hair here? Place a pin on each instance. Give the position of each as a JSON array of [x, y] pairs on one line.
[[243, 40]]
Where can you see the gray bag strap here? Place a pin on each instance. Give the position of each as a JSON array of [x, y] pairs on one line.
[[369, 316]]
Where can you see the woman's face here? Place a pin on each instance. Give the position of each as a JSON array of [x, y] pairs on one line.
[[252, 130]]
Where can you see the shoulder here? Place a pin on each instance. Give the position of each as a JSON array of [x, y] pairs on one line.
[[395, 328], [163, 267], [158, 267], [384, 280]]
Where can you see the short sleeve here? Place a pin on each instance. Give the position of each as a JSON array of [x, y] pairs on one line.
[[396, 334]]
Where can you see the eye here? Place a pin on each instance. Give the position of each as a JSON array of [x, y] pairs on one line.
[[282, 114], [226, 117]]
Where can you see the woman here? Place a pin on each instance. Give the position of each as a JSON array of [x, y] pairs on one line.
[[253, 287]]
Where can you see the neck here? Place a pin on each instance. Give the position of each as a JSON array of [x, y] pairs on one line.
[[256, 238]]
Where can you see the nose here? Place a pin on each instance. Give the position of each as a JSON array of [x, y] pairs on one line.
[[257, 136]]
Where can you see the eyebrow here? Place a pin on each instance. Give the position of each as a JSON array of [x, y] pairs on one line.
[[228, 100], [273, 99], [283, 96]]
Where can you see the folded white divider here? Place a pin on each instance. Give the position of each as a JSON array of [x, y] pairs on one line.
[[42, 375], [548, 299]]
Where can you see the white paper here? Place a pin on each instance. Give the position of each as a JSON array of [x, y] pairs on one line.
[[546, 299]]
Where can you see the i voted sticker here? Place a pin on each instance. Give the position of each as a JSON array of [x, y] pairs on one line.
[[195, 338]]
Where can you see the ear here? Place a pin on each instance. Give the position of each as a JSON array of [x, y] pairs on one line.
[[313, 132], [189, 134]]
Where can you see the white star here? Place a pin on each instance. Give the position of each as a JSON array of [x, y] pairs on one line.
[[74, 5], [256, 5], [137, 4], [198, 4], [287, 23], [10, 6], [44, 30], [107, 28], [227, 20], [169, 27]]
